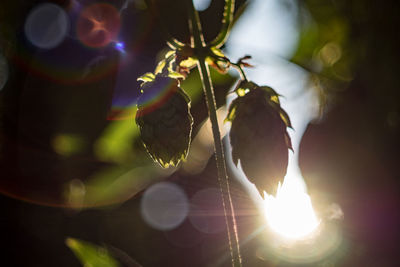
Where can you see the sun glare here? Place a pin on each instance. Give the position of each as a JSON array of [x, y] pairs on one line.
[[290, 213]]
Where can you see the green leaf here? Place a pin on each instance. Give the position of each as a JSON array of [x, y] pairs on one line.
[[217, 52], [231, 113], [160, 67], [147, 77], [91, 255], [285, 118], [175, 75], [170, 53], [116, 142], [117, 183], [188, 63]]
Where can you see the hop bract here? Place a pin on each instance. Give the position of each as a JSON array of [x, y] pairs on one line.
[[164, 120], [259, 136]]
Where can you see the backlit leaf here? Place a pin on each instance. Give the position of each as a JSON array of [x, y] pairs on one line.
[[91, 255], [147, 77], [160, 67], [188, 63], [175, 75]]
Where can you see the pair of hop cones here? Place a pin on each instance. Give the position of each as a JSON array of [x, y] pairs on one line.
[[258, 135]]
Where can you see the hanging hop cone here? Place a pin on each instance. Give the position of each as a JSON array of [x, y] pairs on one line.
[[164, 120], [258, 136]]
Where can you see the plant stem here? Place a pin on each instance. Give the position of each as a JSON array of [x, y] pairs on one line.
[[243, 76], [221, 166], [226, 24], [198, 43]]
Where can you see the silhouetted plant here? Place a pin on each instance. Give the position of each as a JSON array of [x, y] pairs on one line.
[[258, 136]]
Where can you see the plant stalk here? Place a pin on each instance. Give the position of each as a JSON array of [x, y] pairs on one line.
[[198, 43], [227, 20]]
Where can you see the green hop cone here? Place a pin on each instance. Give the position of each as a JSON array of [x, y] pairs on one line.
[[259, 138], [164, 120]]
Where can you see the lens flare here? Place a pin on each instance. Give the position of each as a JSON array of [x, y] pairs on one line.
[[156, 94], [98, 25], [120, 46], [290, 213]]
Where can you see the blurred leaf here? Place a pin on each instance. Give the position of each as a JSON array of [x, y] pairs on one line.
[[68, 144], [116, 184], [324, 35], [325, 49], [115, 144], [91, 255], [308, 41]]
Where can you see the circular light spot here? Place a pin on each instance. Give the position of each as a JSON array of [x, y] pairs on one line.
[[46, 26], [3, 71], [164, 206], [201, 5], [330, 53], [207, 213], [68, 145], [98, 25]]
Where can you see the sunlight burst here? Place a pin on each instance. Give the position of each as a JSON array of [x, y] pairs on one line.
[[290, 213]]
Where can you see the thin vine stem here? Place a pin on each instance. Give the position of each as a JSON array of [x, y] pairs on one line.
[[198, 43], [243, 76], [227, 20]]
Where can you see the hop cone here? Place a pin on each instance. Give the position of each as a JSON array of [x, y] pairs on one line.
[[259, 138], [164, 120]]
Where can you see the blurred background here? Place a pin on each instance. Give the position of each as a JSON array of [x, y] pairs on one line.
[[72, 166]]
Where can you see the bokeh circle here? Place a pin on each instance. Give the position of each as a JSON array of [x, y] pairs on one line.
[[46, 26], [164, 206]]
